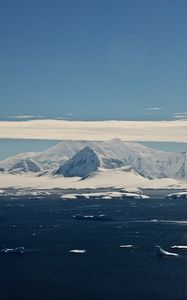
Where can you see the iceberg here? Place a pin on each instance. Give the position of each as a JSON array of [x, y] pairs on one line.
[[161, 252]]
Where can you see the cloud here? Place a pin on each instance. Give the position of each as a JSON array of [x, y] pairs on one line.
[[180, 115], [67, 116], [153, 109], [23, 117], [70, 114], [167, 131]]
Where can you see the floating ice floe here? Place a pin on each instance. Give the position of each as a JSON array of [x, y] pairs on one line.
[[102, 217], [127, 246], [78, 251], [179, 247], [106, 195], [161, 252], [69, 196], [17, 250], [180, 195]]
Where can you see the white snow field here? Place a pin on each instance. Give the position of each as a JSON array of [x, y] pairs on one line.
[[102, 178]]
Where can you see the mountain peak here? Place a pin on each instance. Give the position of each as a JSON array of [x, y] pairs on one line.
[[81, 164], [25, 165]]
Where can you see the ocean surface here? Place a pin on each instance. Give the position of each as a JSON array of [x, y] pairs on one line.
[[48, 231]]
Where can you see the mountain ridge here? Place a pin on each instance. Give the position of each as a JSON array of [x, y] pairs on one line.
[[148, 162]]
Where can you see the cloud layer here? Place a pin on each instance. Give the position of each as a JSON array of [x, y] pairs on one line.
[[167, 131]]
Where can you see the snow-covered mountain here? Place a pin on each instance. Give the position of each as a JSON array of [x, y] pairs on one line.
[[25, 166], [21, 164], [81, 164], [80, 158], [87, 161]]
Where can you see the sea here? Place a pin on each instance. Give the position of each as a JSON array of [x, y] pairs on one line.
[[47, 270]]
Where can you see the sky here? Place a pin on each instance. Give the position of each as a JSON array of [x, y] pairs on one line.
[[123, 60], [93, 60]]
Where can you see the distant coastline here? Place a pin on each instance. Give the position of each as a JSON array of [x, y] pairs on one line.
[[99, 193]]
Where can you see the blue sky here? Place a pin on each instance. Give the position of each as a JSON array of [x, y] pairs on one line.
[[93, 60]]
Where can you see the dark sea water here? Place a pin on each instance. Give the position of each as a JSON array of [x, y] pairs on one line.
[[46, 228]]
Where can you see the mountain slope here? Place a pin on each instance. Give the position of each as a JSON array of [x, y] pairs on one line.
[[125, 176], [21, 164], [9, 162], [85, 162], [81, 164], [25, 166]]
